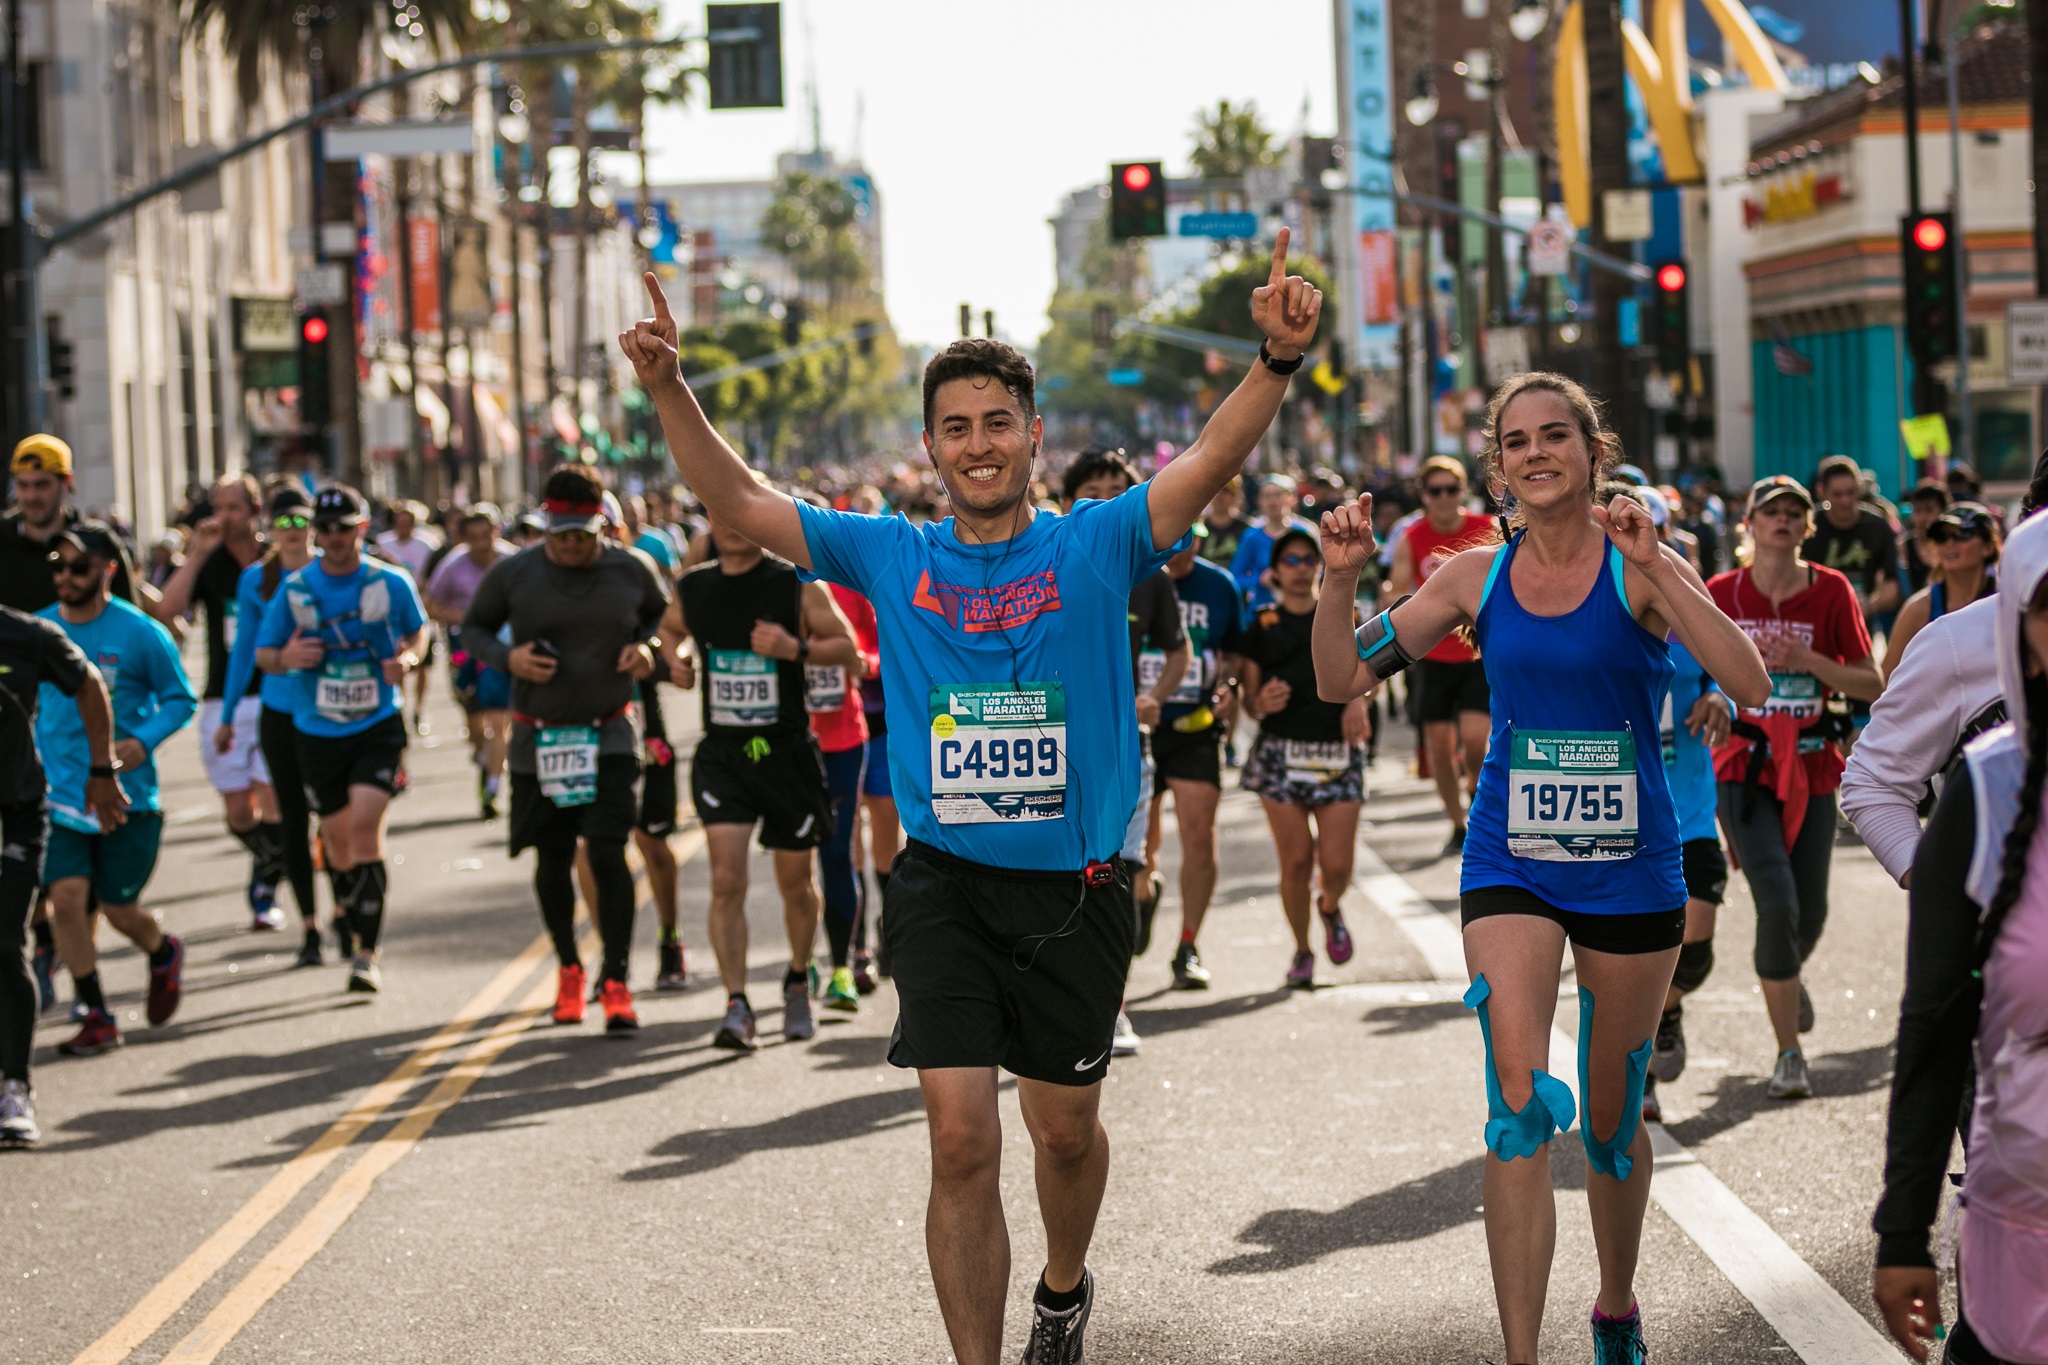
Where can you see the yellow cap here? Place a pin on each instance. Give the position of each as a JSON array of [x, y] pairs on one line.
[[42, 452]]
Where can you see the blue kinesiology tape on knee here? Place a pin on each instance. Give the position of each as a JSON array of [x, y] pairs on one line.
[[1610, 1157], [1550, 1109]]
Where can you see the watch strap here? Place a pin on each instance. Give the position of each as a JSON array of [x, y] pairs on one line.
[[1277, 365]]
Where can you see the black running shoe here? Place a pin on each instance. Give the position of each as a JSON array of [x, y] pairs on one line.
[[1148, 906], [1667, 1058], [309, 950], [1056, 1337], [1188, 972]]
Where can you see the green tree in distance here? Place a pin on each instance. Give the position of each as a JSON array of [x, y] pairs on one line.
[[1229, 140]]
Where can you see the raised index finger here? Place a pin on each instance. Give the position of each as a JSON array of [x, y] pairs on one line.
[[1279, 259], [661, 312]]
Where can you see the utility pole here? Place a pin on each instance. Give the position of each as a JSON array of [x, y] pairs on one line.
[[1964, 426], [17, 270], [1608, 164], [1496, 88]]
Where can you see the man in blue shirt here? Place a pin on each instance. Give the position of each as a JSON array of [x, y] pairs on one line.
[[351, 628], [1013, 750], [1252, 565], [85, 862]]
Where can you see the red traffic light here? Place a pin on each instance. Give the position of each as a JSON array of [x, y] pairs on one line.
[[1137, 176], [1671, 278], [314, 329], [1929, 234]]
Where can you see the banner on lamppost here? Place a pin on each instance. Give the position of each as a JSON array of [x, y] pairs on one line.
[[423, 261], [1366, 116]]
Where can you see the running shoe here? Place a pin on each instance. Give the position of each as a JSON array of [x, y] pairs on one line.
[[1056, 1337], [309, 950], [265, 917], [839, 992], [1125, 1042], [1667, 1057], [568, 995], [1336, 937], [864, 979], [98, 1033], [1805, 1010], [798, 1024], [1653, 1112], [671, 972], [1302, 975], [1789, 1080], [1454, 847], [44, 965], [1188, 972], [166, 983], [736, 1034], [363, 976], [1619, 1341], [618, 1008], [18, 1116], [1148, 906]]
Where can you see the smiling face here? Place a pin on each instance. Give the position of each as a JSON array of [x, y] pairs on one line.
[[1544, 454], [1962, 551], [340, 543], [982, 445], [40, 494], [80, 578]]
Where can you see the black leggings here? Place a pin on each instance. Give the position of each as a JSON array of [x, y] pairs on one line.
[[1789, 886], [279, 740], [554, 886], [23, 831]]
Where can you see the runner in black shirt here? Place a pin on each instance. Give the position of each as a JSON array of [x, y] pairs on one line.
[[1855, 539], [41, 470]]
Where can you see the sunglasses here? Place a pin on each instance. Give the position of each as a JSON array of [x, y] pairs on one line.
[[1942, 532], [1441, 490], [291, 521], [78, 566], [1297, 561], [328, 528]]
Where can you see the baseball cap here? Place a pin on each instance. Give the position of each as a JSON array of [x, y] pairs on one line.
[[1634, 474], [563, 514], [1779, 486], [339, 505], [1659, 506], [1972, 519], [94, 538], [1292, 535], [614, 514], [41, 452], [287, 499]]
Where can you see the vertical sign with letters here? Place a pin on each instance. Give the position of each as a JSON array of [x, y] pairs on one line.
[[1366, 118]]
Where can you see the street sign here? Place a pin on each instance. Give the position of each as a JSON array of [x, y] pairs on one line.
[[401, 137], [2026, 342], [1507, 353], [266, 324], [1626, 214], [1125, 379], [1219, 225], [323, 284], [336, 239], [1550, 247]]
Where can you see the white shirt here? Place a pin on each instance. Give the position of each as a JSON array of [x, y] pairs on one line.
[[411, 554]]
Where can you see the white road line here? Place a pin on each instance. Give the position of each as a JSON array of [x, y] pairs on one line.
[[1804, 1309]]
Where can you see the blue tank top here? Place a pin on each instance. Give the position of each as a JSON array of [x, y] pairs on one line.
[[1573, 805]]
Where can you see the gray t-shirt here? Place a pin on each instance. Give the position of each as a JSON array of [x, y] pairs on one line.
[[588, 616]]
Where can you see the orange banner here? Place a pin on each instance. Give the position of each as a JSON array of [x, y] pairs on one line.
[[423, 271], [1380, 277]]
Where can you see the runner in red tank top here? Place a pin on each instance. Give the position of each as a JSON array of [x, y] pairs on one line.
[[1450, 680], [832, 697]]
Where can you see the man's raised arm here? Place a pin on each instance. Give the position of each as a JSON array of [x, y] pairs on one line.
[[1286, 308], [710, 468]]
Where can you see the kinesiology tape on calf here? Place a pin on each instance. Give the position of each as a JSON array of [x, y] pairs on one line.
[[1550, 1110], [1610, 1157]]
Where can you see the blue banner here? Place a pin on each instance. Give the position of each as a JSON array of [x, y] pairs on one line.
[[1219, 225], [1367, 69]]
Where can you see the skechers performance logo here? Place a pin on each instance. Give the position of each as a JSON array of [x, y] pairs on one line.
[[980, 610]]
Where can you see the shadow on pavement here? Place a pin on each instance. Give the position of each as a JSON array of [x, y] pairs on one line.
[[1387, 1020], [708, 1149], [862, 1053], [1739, 1098], [1176, 1019]]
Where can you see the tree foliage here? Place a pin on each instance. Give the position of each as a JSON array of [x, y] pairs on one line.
[[1229, 140], [256, 30], [810, 224]]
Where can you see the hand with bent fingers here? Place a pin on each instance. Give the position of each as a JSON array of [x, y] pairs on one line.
[[1286, 307], [1710, 720], [651, 344], [1909, 1299], [1348, 540], [1627, 523], [1272, 697]]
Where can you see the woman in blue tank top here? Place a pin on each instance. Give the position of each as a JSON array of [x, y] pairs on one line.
[[1573, 838]]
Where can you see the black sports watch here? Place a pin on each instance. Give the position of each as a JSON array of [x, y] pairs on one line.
[[803, 650], [1277, 365]]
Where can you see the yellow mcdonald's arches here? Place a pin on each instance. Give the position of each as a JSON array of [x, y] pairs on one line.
[[1660, 69]]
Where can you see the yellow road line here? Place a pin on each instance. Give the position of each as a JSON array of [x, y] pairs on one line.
[[175, 1289], [347, 1193]]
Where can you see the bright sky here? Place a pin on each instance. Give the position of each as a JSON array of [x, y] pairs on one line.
[[979, 118]]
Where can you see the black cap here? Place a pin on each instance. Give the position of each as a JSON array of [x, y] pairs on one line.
[[339, 505], [1970, 518], [286, 499], [1288, 537], [94, 538]]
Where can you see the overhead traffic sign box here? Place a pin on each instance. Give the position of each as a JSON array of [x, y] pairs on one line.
[[403, 137]]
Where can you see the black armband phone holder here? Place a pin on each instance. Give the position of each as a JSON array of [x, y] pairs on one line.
[[1378, 647]]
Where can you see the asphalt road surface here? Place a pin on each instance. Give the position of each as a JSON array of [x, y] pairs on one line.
[[437, 1174]]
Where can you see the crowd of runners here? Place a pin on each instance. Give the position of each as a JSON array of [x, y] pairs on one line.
[[910, 697]]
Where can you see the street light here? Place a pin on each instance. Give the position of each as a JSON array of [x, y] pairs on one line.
[[1529, 18], [1423, 104]]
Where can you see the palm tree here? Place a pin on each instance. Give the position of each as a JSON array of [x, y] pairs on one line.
[[1230, 140]]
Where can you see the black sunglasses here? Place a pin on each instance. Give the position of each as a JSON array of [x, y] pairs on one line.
[[1442, 490], [78, 566], [328, 528], [1942, 532]]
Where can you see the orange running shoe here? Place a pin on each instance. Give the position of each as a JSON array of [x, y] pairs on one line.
[[618, 1008], [569, 996]]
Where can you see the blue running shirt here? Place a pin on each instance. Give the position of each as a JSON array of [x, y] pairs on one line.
[[1007, 668], [153, 700], [1211, 616], [280, 691], [1688, 762], [360, 617]]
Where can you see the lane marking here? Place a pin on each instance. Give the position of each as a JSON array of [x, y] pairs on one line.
[[1800, 1306], [176, 1289], [347, 1193]]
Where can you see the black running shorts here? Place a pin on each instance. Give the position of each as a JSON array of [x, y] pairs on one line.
[[1445, 691], [1021, 970], [778, 780], [1196, 757], [331, 764], [658, 790], [1653, 932], [1706, 869], [537, 821]]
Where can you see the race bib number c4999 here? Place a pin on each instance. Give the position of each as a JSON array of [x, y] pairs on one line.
[[1572, 795], [347, 689], [745, 688], [999, 752]]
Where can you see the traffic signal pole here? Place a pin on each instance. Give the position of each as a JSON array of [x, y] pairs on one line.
[[1964, 426]]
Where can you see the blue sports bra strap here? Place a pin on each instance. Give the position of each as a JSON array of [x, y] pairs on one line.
[[1500, 561], [1614, 566], [1937, 600]]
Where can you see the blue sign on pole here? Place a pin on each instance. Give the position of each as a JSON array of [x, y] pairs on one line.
[[1125, 379], [1366, 81], [1219, 225]]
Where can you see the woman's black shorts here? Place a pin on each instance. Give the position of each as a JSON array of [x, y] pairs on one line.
[[1653, 932]]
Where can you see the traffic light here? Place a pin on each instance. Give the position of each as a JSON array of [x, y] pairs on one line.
[[1927, 253], [316, 405], [63, 366], [793, 322], [1137, 200], [1671, 320], [745, 75]]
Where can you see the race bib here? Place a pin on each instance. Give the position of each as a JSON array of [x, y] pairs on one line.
[[1193, 683], [565, 756], [346, 690], [824, 688], [1315, 763], [1667, 731], [998, 752], [1572, 795], [230, 622], [745, 689], [1797, 695]]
